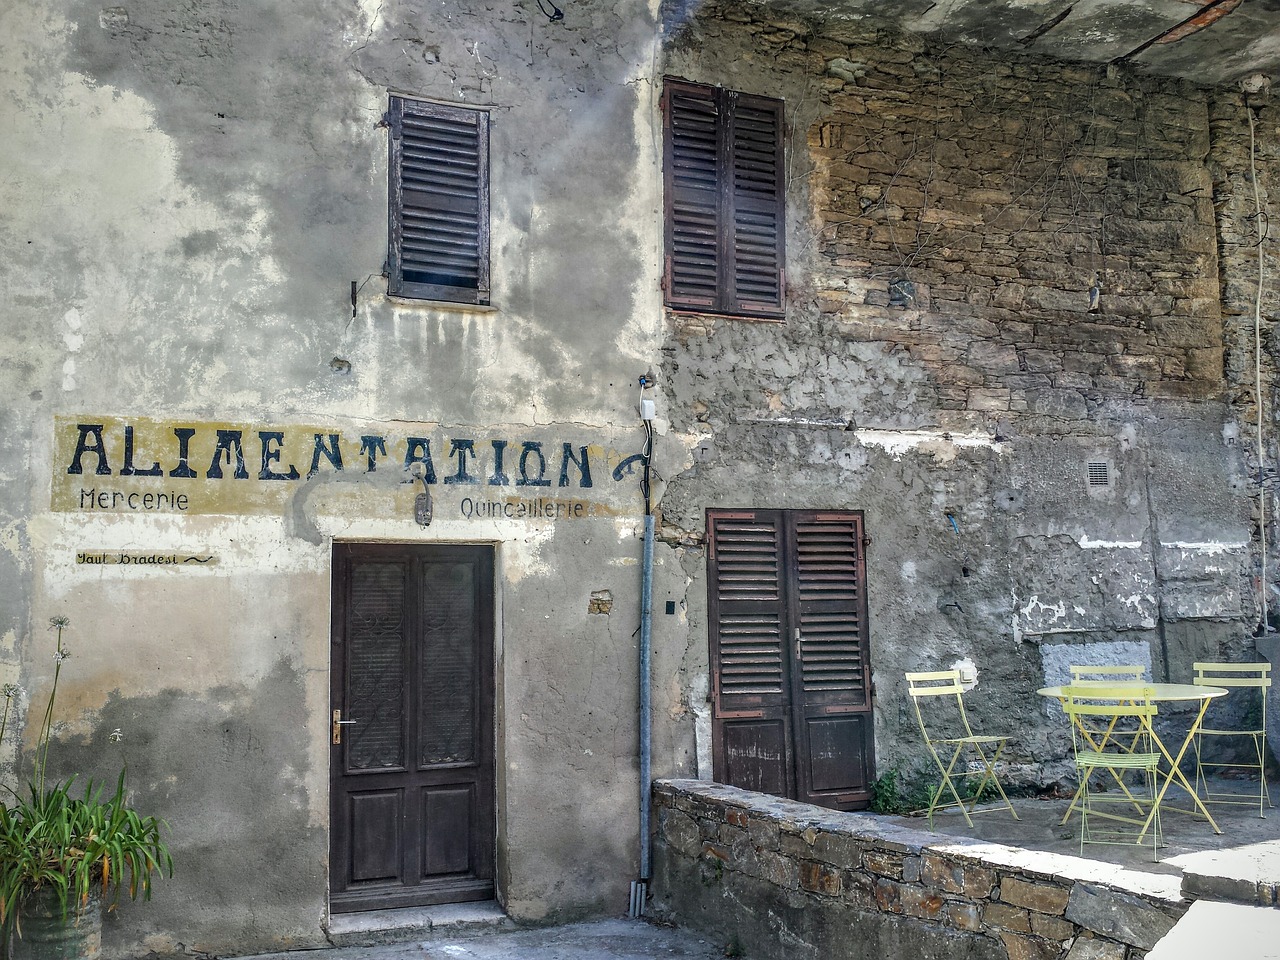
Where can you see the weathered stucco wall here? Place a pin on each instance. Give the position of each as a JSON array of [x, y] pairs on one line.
[[190, 191]]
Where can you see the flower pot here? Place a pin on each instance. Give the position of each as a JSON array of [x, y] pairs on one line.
[[48, 934]]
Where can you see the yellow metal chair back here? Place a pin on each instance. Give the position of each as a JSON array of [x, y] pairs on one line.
[[1110, 674], [1108, 729], [1110, 815], [948, 734], [1239, 678]]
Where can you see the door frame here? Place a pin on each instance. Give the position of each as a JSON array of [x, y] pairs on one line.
[[486, 619]]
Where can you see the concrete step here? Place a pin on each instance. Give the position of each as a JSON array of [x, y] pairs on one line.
[[456, 920]]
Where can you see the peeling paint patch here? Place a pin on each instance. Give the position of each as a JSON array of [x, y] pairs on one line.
[[1210, 547], [1086, 543], [941, 444]]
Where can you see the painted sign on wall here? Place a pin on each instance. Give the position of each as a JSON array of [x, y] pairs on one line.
[[112, 465]]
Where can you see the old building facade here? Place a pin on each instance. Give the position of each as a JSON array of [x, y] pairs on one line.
[[336, 338]]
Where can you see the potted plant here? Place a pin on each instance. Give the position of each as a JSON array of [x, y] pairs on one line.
[[65, 851]]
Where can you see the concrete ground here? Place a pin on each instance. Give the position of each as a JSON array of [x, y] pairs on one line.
[[1039, 827], [616, 939]]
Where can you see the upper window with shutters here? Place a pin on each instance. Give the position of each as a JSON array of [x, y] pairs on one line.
[[724, 185], [439, 200]]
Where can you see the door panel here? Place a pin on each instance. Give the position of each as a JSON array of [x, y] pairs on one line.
[[412, 774], [789, 659]]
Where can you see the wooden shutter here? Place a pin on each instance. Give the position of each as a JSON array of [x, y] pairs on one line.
[[693, 188], [724, 196], [756, 199], [439, 193], [832, 683], [791, 677], [748, 653]]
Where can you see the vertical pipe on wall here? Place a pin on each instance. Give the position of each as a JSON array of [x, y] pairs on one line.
[[646, 705], [639, 889]]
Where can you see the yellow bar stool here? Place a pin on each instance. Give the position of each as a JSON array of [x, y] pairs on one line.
[[1248, 683], [944, 725]]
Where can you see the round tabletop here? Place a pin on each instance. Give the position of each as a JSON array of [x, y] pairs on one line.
[[1159, 691]]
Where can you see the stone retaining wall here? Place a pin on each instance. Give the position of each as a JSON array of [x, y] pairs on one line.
[[775, 878]]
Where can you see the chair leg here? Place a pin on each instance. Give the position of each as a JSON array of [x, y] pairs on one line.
[[989, 773], [1263, 793]]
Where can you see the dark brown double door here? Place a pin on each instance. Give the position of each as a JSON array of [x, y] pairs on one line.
[[790, 666], [412, 768]]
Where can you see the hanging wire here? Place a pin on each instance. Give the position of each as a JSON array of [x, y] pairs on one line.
[[646, 453], [554, 14]]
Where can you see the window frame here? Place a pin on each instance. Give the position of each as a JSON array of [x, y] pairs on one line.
[[687, 198], [471, 225]]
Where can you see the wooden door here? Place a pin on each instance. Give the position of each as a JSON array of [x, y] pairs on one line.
[[411, 768], [790, 666]]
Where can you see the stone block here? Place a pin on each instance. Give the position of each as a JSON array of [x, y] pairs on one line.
[[780, 871], [681, 832], [1041, 897], [884, 863], [819, 878], [1117, 916], [962, 915], [941, 873], [764, 833], [1029, 948], [1090, 948], [989, 399], [794, 846], [1051, 928], [837, 850], [1006, 917]]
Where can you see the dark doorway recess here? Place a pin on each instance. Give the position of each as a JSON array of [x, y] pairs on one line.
[[412, 762], [790, 667]]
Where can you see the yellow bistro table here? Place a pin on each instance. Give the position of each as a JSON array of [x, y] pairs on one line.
[[1157, 693]]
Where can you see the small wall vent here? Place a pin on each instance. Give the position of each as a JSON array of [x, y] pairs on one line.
[[1099, 472]]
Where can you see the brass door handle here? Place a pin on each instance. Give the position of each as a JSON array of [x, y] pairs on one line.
[[338, 724]]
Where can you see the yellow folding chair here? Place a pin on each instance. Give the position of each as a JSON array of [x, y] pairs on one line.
[[945, 694], [1239, 678], [1104, 813], [1106, 673], [1104, 729]]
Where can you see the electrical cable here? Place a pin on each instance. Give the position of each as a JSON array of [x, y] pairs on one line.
[[646, 454], [556, 13]]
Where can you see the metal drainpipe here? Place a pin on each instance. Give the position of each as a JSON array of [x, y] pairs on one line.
[[639, 889], [646, 706]]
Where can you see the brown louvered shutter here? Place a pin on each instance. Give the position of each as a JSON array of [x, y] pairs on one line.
[[757, 204], [832, 685], [693, 196], [750, 682], [791, 677], [724, 196], [439, 199]]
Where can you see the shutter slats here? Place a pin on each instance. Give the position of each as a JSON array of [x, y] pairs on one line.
[[693, 197], [831, 653], [440, 217]]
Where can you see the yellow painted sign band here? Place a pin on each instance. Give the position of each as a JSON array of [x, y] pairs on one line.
[[147, 466]]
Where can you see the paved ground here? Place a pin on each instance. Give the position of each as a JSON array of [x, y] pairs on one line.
[[1040, 828], [619, 939]]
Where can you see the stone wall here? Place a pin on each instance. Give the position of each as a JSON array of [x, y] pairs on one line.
[[1001, 272], [777, 879]]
